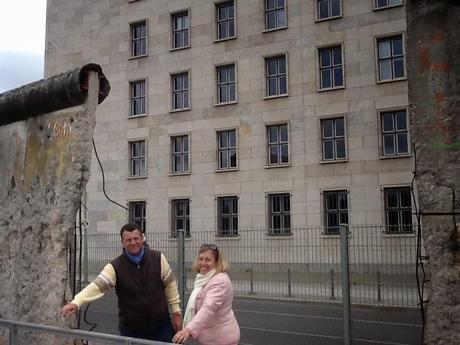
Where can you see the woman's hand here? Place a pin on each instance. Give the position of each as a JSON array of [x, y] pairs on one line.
[[181, 336]]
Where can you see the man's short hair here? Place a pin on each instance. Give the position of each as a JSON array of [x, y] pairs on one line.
[[130, 227]]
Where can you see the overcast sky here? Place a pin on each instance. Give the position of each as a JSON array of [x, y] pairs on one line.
[[22, 42]]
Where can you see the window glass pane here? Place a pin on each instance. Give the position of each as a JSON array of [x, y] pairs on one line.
[[327, 128], [273, 154], [402, 143], [273, 134], [230, 10], [231, 92], [328, 148], [387, 122], [385, 70], [384, 49], [276, 203], [223, 159], [284, 133], [281, 18], [397, 46], [272, 90], [280, 3], [231, 73], [335, 10], [287, 221], [221, 12], [343, 218], [401, 120], [323, 9], [326, 78], [340, 148], [271, 19], [394, 2], [331, 201], [381, 3], [232, 154], [339, 127], [406, 219], [343, 204], [388, 144], [405, 197], [325, 58], [177, 144], [338, 77], [185, 143], [398, 67], [270, 4], [142, 167], [283, 85], [231, 28], [185, 163], [177, 164], [271, 67], [232, 138], [332, 220], [286, 203], [282, 65], [337, 56], [223, 139], [392, 198], [284, 154]]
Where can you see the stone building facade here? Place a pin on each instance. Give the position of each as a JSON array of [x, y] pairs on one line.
[[244, 114]]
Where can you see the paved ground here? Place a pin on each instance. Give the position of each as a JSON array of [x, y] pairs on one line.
[[268, 322]]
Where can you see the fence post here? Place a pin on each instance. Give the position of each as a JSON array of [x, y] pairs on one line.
[[289, 283], [379, 287], [332, 284], [13, 332], [345, 284], [85, 253], [181, 263], [251, 281]]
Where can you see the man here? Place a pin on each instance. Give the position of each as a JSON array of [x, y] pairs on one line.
[[145, 286]]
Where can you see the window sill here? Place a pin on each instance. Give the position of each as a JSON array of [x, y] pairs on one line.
[[319, 20], [179, 48], [226, 103], [274, 29], [376, 9], [391, 80], [138, 57], [274, 166], [225, 170], [137, 177], [180, 174], [331, 88], [276, 96], [331, 161], [179, 110], [406, 155], [137, 116], [225, 39]]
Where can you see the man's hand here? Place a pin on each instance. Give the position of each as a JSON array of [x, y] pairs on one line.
[[69, 309], [177, 321]]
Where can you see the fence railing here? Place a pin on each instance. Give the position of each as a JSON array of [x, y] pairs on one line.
[[303, 265]]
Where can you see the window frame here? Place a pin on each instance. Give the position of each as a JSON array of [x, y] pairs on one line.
[[375, 6], [143, 218], [279, 144], [282, 230], [277, 75], [380, 38], [138, 158], [186, 217], [330, 16], [228, 148], [393, 111], [180, 154], [334, 230], [399, 209], [142, 98], [134, 39], [173, 16], [267, 11], [216, 14], [334, 138], [235, 81], [331, 48], [232, 215], [181, 91]]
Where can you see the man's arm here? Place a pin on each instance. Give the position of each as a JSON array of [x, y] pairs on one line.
[[171, 292]]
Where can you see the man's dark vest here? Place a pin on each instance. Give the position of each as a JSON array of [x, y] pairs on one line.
[[142, 305]]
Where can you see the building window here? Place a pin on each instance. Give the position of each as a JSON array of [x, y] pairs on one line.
[[331, 67], [139, 39], [225, 20], [180, 154], [180, 91], [137, 213], [335, 211], [278, 144], [387, 3], [180, 211], [137, 158], [398, 210], [226, 85], [275, 14], [276, 76], [227, 216], [394, 133], [391, 58], [328, 9], [333, 137], [279, 214], [226, 151], [180, 30], [138, 98]]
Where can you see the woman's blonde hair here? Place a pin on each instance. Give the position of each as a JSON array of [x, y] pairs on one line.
[[221, 263]]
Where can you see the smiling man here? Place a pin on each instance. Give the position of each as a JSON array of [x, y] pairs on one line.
[[145, 286]]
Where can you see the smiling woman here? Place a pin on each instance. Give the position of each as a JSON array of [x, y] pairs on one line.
[[22, 53]]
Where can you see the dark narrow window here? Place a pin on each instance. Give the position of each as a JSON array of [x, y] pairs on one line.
[[276, 76], [329, 9], [137, 158], [137, 213], [226, 90], [330, 67], [398, 210], [139, 39], [333, 136], [227, 216], [275, 14], [278, 144], [387, 3], [335, 211], [180, 91], [394, 133], [180, 30], [279, 214], [391, 58], [138, 98], [225, 20], [180, 211], [227, 149], [180, 154]]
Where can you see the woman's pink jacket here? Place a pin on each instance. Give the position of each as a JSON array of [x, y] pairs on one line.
[[214, 322]]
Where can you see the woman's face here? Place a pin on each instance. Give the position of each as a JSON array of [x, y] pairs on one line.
[[206, 261]]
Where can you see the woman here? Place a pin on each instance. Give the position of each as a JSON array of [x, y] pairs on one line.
[[209, 316]]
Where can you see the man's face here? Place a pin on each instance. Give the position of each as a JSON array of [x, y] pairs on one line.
[[132, 241]]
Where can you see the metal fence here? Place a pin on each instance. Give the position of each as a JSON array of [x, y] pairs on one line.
[[301, 266]]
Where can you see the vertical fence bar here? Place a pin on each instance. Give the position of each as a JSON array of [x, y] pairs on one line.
[[13, 332], [345, 284], [181, 263], [85, 254]]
